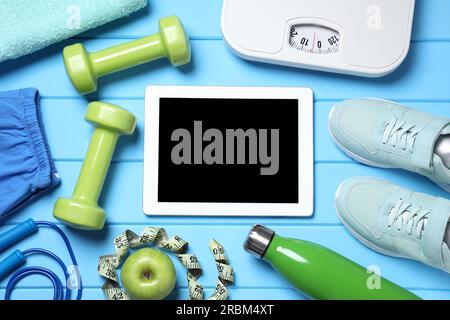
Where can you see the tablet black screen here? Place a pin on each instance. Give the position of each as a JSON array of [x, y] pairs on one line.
[[225, 150]]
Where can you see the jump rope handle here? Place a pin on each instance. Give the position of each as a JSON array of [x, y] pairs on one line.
[[13, 262], [11, 237], [18, 233]]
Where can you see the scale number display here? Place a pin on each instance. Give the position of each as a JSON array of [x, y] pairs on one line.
[[316, 39]]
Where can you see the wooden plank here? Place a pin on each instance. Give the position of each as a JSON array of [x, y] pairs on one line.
[[249, 271], [202, 20], [122, 195], [235, 294], [419, 78], [65, 126]]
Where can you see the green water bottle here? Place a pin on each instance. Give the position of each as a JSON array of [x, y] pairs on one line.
[[318, 272]]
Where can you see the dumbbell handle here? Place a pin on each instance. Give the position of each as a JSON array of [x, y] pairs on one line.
[[17, 233], [96, 165], [128, 55]]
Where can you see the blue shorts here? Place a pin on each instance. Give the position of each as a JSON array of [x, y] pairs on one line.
[[27, 169]]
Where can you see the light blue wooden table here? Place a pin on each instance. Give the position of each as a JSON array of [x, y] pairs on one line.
[[423, 81]]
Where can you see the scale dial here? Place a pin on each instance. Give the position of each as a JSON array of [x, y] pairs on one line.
[[315, 39]]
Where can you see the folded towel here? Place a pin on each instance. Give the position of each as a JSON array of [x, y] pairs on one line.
[[30, 25]]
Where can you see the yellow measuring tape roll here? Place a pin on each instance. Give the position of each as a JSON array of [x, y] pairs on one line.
[[108, 264]]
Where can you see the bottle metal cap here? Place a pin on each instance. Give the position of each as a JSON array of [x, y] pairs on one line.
[[258, 240]]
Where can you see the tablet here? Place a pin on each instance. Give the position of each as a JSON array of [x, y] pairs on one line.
[[228, 151]]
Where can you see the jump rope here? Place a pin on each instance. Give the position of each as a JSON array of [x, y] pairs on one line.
[[17, 259]]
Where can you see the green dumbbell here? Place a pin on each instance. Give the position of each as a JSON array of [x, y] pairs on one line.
[[85, 68], [82, 210]]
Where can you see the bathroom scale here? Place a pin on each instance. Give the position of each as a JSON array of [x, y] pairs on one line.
[[228, 151], [360, 37]]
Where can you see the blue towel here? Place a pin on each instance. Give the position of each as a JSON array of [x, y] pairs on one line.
[[27, 26]]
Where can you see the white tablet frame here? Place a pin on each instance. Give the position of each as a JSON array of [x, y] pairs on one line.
[[305, 207]]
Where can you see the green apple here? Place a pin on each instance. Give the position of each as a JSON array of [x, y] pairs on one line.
[[148, 274]]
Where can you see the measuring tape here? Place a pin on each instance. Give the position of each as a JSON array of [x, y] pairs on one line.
[[108, 264]]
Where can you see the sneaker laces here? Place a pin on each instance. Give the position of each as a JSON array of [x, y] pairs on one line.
[[404, 214], [400, 133]]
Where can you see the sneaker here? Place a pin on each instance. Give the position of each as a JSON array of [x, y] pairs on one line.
[[395, 221], [387, 135]]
